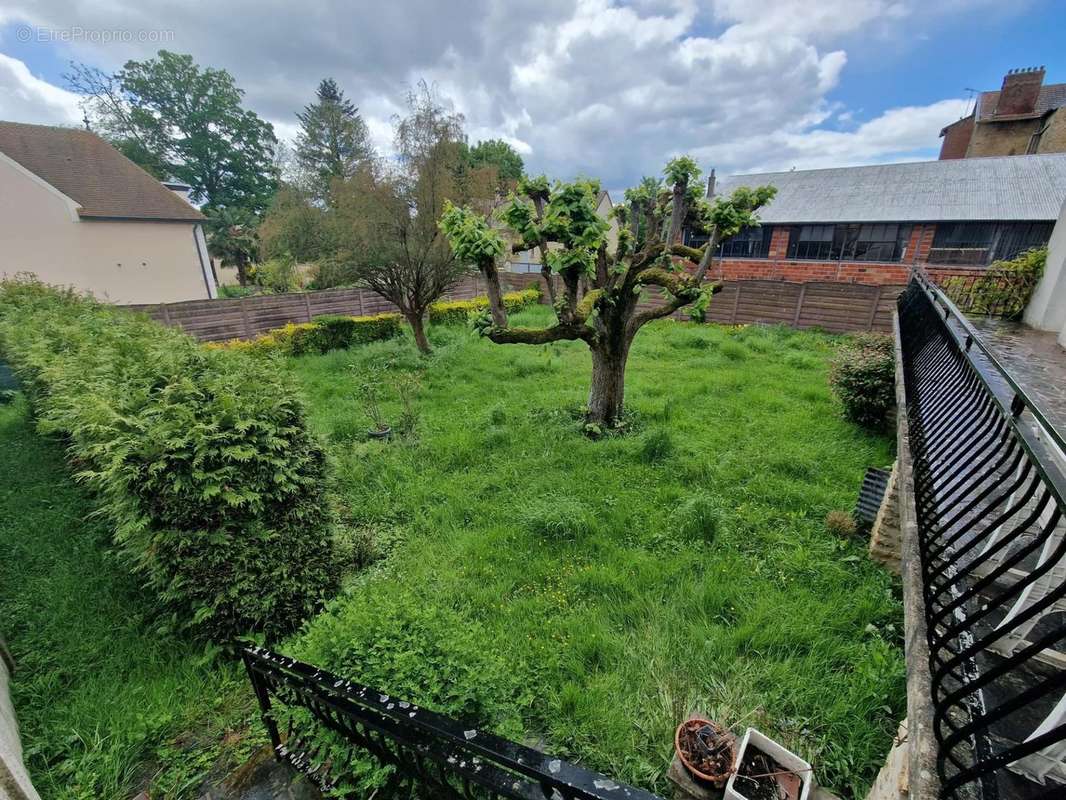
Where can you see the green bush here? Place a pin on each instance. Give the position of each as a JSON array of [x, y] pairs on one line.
[[458, 312], [201, 459], [320, 335], [278, 275], [863, 375]]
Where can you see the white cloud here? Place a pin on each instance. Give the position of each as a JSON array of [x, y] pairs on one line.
[[25, 97], [578, 86]]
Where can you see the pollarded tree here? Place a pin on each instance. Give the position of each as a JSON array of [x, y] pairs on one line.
[[562, 224]]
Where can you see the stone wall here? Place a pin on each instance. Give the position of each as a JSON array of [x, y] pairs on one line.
[[14, 782]]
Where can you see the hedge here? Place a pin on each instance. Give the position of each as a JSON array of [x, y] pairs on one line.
[[201, 459], [452, 312], [320, 335]]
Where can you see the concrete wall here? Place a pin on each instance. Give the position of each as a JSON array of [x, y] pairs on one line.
[[120, 261], [1047, 309], [14, 782], [1053, 140], [1002, 138]]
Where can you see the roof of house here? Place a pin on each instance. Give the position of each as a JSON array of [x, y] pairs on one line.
[[1003, 188], [1052, 96], [92, 173]]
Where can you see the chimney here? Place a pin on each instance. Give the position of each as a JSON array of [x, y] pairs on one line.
[[1021, 88], [710, 184]]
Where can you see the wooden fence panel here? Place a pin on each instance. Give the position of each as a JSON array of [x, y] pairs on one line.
[[772, 302], [836, 307]]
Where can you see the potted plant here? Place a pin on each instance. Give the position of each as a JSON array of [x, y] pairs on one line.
[[371, 396], [767, 771], [706, 749]]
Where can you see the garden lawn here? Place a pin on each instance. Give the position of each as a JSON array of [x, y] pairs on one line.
[[107, 705], [584, 596]]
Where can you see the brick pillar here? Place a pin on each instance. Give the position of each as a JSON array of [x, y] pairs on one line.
[[913, 244], [926, 244], [778, 243], [885, 534]]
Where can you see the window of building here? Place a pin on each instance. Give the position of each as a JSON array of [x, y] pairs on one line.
[[812, 242], [749, 243], [981, 243], [851, 242]]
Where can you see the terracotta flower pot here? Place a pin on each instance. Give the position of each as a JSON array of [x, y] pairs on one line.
[[724, 746]]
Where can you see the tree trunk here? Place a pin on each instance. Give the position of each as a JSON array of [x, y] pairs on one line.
[[242, 272], [607, 391], [418, 327]]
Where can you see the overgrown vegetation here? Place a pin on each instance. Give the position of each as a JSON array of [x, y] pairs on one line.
[[200, 459], [586, 595], [864, 378], [1004, 289], [107, 704]]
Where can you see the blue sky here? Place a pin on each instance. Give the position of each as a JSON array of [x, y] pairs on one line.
[[605, 88]]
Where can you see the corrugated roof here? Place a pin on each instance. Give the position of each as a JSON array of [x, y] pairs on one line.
[[92, 173], [1023, 188]]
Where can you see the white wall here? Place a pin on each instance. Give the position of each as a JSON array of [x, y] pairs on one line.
[[121, 262], [1047, 309], [14, 782]]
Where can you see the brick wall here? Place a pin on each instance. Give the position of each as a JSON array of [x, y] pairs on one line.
[[778, 267]]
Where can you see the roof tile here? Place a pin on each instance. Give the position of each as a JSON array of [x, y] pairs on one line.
[[92, 173]]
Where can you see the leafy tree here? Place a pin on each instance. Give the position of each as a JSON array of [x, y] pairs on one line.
[[232, 238], [333, 139], [499, 154], [560, 221], [387, 219], [181, 121], [295, 225]]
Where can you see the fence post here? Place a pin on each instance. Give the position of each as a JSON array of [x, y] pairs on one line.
[[359, 294], [736, 304], [873, 309], [799, 305], [166, 313], [244, 317], [307, 304]]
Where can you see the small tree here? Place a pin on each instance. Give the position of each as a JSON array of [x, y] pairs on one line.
[[232, 239], [387, 219], [562, 224]]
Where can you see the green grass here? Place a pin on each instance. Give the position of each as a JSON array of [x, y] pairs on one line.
[[581, 596], [585, 595], [106, 705]]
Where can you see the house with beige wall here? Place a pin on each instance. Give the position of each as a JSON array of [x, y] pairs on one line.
[[76, 212]]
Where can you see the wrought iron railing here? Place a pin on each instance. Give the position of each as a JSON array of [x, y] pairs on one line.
[[326, 726], [988, 494], [996, 292]]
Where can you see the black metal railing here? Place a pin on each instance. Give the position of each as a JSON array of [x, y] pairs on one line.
[[327, 726], [988, 494]]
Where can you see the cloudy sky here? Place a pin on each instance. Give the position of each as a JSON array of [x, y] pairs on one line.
[[595, 87]]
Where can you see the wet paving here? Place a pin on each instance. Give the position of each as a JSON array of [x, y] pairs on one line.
[[1034, 359]]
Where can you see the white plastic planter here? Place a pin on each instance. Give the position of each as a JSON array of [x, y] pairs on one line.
[[786, 758]]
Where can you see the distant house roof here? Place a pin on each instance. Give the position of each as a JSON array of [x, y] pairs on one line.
[[92, 173], [1051, 96], [1004, 188]]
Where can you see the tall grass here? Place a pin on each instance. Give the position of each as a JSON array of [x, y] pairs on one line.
[[585, 595]]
